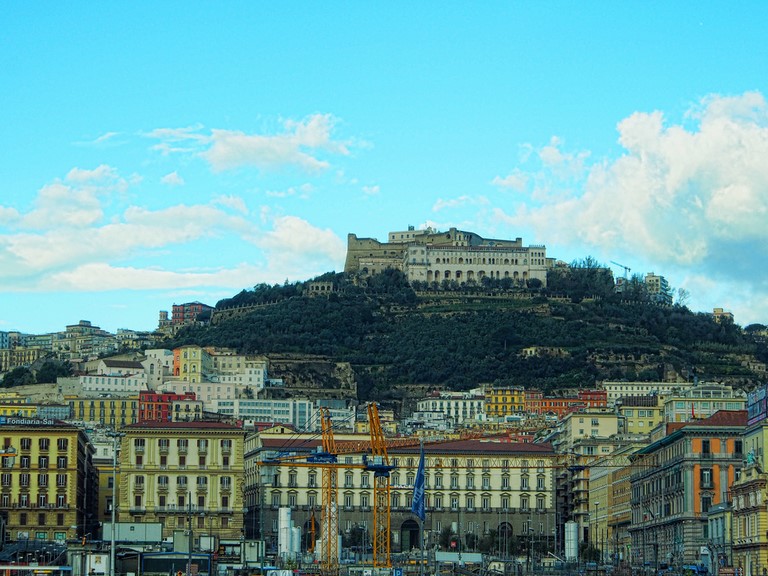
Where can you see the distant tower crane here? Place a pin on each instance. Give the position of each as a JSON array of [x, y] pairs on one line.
[[627, 269]]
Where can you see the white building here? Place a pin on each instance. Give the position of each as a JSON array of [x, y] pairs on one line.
[[239, 369], [458, 407], [158, 365], [618, 390], [302, 414]]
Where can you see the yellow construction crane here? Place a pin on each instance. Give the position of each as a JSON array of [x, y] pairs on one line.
[[327, 461], [378, 463]]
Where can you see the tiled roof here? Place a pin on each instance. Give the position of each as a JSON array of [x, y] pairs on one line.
[[201, 425]]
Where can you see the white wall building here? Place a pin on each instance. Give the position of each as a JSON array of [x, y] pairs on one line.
[[457, 407], [618, 390]]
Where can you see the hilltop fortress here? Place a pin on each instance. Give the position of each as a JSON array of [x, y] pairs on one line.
[[432, 256]]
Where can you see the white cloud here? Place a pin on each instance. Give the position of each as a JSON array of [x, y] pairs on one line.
[[371, 190], [295, 237], [172, 179], [102, 173], [461, 201], [102, 277], [693, 195], [234, 202], [298, 145], [515, 180]]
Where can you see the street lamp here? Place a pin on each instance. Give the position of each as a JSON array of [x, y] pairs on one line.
[[116, 436]]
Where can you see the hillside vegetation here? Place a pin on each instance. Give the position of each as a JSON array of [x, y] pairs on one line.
[[573, 334]]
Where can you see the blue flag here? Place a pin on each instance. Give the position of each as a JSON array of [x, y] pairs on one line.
[[418, 503]]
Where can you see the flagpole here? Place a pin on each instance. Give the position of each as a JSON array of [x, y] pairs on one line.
[[418, 504]]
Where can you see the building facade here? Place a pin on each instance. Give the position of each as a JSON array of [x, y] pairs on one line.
[[48, 487], [676, 480], [177, 473]]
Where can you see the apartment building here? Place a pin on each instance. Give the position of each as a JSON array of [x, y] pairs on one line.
[[537, 403], [110, 412], [47, 485], [504, 401], [702, 401], [640, 414], [175, 473], [243, 370], [457, 407], [618, 390], [189, 313], [676, 480], [159, 407]]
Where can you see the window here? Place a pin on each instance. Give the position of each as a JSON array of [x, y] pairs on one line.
[[42, 462], [705, 448], [454, 502], [62, 443], [61, 462], [42, 480], [44, 443], [524, 502], [524, 483], [181, 481]]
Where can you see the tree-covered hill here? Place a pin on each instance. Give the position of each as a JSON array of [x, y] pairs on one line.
[[574, 334]]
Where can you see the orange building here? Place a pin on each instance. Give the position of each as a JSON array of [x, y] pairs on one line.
[[676, 480], [537, 403]]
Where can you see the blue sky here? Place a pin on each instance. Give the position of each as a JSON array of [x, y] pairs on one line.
[[162, 152]]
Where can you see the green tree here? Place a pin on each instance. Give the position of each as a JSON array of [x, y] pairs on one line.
[[51, 370], [19, 376]]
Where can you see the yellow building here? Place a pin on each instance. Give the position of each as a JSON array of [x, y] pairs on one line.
[[641, 414], [175, 473], [500, 402], [47, 488], [18, 409], [112, 412], [192, 363]]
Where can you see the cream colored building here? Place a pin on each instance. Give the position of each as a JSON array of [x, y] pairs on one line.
[[174, 471], [641, 414], [475, 487], [589, 424], [617, 390], [702, 401]]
